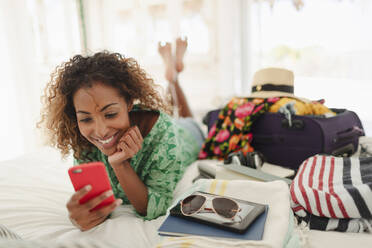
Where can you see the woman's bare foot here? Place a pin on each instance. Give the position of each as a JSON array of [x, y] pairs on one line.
[[165, 50], [181, 45]]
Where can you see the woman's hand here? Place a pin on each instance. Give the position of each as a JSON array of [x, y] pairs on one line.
[[128, 146], [82, 216]]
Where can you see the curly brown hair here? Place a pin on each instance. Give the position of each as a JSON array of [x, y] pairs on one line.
[[58, 116]]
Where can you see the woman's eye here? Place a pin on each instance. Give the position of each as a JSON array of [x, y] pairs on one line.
[[86, 120], [112, 115]]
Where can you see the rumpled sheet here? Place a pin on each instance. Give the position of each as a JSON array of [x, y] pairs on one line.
[[34, 190]]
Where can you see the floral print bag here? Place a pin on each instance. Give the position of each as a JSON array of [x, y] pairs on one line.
[[232, 130]]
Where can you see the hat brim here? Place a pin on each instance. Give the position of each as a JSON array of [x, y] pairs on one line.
[[269, 94]]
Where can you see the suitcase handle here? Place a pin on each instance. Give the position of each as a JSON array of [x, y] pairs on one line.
[[348, 134]]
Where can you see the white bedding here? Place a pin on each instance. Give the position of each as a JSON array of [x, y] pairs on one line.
[[34, 190]]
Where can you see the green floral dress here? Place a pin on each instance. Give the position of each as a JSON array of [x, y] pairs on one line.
[[165, 154]]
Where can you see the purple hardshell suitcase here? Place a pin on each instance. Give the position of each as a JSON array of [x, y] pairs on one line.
[[289, 146]]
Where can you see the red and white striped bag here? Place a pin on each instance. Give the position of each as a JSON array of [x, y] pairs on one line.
[[333, 187]]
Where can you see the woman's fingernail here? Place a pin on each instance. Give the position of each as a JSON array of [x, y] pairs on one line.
[[109, 193], [119, 202], [88, 187]]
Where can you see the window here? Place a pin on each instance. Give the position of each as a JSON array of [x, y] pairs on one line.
[[37, 36], [56, 31], [327, 44], [134, 28]]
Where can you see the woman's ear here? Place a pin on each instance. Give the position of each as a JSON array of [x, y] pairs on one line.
[[130, 106]]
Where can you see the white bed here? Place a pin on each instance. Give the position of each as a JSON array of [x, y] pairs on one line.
[[34, 190]]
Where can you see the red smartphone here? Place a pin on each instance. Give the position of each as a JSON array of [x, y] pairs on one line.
[[93, 174]]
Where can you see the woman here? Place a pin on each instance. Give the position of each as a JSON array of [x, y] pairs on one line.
[[105, 108]]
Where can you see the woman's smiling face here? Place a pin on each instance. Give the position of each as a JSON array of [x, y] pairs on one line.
[[102, 116]]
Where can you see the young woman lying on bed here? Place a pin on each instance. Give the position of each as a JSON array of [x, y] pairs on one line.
[[105, 108]]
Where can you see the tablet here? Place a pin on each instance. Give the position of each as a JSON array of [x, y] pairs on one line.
[[248, 212]]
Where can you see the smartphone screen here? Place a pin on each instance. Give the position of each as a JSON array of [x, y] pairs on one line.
[[93, 174]]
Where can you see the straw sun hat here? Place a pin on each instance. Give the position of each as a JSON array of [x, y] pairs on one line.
[[274, 82]]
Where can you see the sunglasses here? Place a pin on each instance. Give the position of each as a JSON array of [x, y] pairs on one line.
[[222, 206]]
